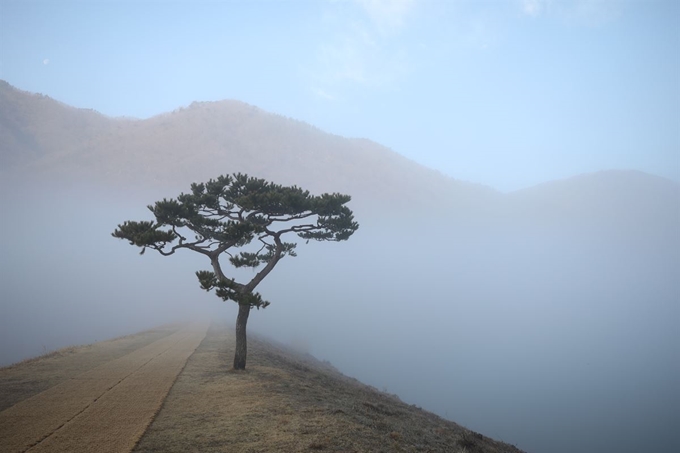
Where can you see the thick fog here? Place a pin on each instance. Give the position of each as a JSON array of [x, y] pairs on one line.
[[64, 280], [552, 338], [556, 341]]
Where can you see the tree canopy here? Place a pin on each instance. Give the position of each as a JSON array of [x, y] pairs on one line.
[[224, 215]]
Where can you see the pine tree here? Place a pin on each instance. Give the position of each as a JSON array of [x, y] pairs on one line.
[[226, 214]]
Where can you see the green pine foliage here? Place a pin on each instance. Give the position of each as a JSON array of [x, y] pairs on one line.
[[226, 214]]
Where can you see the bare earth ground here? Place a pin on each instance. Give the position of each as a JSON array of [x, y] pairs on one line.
[[104, 409], [290, 402], [284, 402]]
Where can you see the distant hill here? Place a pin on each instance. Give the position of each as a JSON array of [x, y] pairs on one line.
[[37, 129], [206, 139], [617, 199], [40, 136]]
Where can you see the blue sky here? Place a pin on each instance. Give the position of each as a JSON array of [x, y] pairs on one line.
[[505, 93]]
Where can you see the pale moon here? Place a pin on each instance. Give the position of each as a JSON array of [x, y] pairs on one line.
[[46, 61]]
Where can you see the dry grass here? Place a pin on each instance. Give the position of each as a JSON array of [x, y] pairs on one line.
[[290, 402], [105, 409], [285, 401]]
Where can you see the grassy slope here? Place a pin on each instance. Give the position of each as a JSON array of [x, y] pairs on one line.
[[285, 401], [291, 402]]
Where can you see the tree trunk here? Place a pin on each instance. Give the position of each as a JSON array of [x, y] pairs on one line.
[[241, 340]]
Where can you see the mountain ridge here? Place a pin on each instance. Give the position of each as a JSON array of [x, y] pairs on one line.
[[42, 136], [232, 134]]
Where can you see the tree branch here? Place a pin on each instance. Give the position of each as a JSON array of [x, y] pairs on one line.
[[276, 256], [292, 217]]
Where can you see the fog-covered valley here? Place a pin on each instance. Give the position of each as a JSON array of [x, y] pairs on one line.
[[514, 167], [554, 340], [66, 281], [551, 335]]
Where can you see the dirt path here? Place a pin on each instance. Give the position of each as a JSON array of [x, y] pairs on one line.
[[105, 409], [25, 379]]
